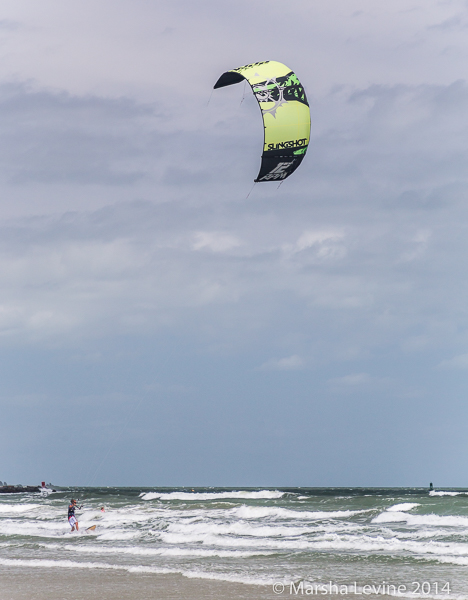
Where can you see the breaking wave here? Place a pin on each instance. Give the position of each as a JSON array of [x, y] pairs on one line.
[[202, 496]]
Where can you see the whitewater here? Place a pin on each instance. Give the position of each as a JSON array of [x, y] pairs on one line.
[[318, 536]]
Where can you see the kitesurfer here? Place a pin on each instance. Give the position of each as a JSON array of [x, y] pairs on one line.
[[71, 515]]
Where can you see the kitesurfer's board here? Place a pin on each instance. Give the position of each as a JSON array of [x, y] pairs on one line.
[[92, 528]]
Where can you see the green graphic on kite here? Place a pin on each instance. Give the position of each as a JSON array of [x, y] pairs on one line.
[[285, 112]]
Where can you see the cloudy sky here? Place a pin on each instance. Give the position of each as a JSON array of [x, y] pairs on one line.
[[161, 326]]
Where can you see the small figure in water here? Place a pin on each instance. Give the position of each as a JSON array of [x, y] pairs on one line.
[[71, 515], [103, 509], [431, 487]]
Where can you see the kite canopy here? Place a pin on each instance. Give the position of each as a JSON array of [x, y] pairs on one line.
[[285, 111]]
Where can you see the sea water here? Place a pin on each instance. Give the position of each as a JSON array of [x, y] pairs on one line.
[[308, 541]]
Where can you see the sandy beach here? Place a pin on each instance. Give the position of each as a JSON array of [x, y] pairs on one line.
[[60, 584]]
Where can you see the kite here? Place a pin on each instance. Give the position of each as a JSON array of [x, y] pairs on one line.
[[285, 111]]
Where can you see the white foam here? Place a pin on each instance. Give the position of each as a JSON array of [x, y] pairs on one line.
[[237, 528], [442, 493], [429, 532], [210, 539], [453, 560], [17, 508], [33, 528], [403, 507], [392, 545], [117, 535], [431, 520], [127, 516], [195, 574], [197, 496], [259, 512], [144, 551]]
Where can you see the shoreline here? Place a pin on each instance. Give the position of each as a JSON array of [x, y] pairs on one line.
[[49, 583]]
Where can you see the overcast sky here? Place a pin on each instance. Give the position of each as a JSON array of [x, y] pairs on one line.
[[161, 326]]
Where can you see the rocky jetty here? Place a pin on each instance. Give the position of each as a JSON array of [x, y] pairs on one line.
[[16, 489]]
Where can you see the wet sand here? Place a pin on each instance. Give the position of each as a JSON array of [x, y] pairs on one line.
[[68, 584]]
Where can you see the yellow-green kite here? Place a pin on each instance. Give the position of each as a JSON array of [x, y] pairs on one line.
[[285, 111]]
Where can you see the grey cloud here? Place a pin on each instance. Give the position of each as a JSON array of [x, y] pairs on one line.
[[287, 363], [53, 137], [450, 24], [334, 240], [9, 25], [180, 176], [457, 362], [401, 142], [356, 379]]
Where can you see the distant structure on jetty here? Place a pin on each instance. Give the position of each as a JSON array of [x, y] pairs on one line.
[[18, 489]]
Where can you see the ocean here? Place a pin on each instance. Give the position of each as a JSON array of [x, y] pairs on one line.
[[304, 541]]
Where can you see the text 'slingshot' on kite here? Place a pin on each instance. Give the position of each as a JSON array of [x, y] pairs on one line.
[[286, 115]]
